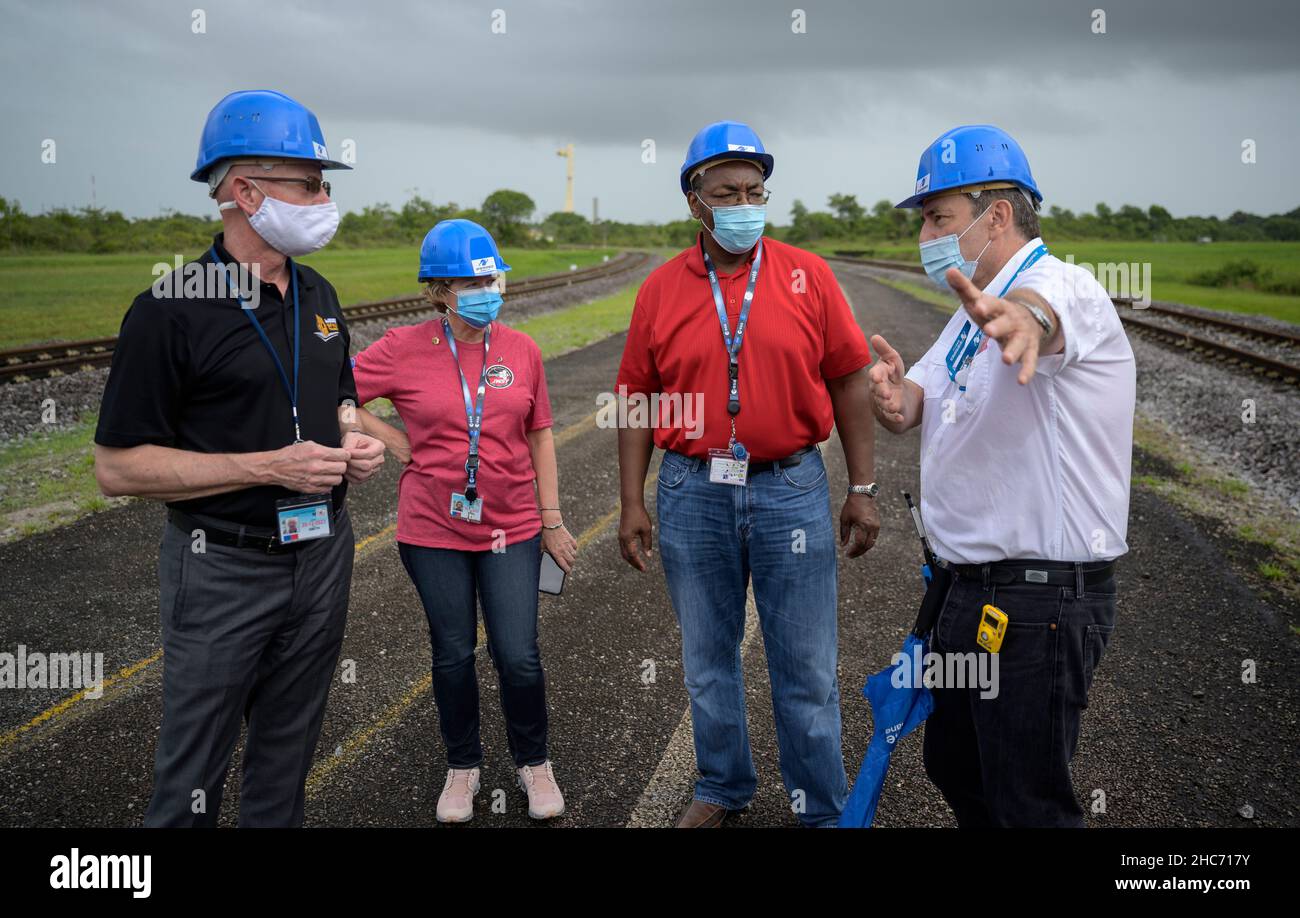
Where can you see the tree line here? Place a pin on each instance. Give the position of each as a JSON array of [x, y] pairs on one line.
[[509, 216]]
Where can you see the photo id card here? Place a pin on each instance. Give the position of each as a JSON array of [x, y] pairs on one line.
[[725, 468], [469, 510], [307, 516]]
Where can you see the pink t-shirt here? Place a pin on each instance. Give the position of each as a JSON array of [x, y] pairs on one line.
[[420, 379]]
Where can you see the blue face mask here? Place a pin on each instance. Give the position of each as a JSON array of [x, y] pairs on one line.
[[738, 227], [478, 306], [938, 255]]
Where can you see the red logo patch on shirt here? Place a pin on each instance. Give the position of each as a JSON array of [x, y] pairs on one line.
[[500, 376]]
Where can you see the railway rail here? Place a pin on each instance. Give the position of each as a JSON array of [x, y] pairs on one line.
[[1271, 366], [40, 360]]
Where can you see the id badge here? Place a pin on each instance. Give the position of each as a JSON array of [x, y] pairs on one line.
[[725, 468], [469, 510], [305, 517]]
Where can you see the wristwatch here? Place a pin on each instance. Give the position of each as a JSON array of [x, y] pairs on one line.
[[868, 489]]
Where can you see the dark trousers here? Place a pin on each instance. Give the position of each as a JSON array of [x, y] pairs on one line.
[[448, 581], [1005, 761], [250, 637]]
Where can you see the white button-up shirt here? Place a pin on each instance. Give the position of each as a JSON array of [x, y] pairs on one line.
[[1035, 471]]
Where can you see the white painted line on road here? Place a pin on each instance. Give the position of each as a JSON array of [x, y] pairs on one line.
[[672, 785]]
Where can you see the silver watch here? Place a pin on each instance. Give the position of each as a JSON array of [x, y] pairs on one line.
[[868, 489]]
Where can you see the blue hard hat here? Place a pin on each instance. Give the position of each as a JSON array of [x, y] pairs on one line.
[[260, 122], [724, 140], [971, 155], [459, 248]]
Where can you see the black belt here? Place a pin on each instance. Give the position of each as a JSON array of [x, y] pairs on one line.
[[252, 538], [1042, 573], [771, 465]]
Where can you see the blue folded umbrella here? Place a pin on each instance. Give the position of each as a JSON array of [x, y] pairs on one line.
[[900, 702]]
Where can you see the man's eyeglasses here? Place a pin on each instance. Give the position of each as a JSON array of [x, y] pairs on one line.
[[312, 183], [735, 198]]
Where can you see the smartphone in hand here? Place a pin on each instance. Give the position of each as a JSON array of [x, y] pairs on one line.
[[551, 579]]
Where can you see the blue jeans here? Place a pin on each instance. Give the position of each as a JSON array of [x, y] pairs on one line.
[[506, 584], [1005, 761], [713, 538]]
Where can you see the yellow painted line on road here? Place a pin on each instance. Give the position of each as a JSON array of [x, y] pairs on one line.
[[578, 427], [352, 746], [115, 680], [128, 672], [369, 540]]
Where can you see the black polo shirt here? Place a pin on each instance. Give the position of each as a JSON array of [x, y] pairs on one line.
[[191, 372]]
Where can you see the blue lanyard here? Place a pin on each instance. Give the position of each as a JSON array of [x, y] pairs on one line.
[[291, 391], [473, 409], [959, 356], [733, 344]]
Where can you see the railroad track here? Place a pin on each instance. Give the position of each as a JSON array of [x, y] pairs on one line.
[[1187, 339], [41, 360]]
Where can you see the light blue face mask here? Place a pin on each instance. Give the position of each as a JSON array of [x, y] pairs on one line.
[[938, 255], [478, 306], [738, 227]]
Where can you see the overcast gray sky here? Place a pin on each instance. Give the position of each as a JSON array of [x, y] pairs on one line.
[[1154, 110]]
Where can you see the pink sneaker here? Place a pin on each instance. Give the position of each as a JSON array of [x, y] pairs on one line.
[[544, 798], [456, 803]]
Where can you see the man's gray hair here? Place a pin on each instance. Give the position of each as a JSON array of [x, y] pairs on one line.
[[1024, 209], [217, 174]]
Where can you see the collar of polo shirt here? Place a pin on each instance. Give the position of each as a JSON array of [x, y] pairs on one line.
[[306, 279]]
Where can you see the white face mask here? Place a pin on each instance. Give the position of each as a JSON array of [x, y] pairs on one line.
[[292, 229]]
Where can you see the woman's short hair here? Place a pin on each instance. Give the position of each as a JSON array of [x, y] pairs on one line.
[[436, 291]]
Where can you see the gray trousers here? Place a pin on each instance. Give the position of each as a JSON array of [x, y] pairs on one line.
[[250, 637]]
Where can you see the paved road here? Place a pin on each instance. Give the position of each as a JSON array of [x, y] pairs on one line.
[[1173, 736]]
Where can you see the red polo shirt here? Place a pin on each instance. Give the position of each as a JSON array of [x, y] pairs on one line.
[[420, 379], [801, 332]]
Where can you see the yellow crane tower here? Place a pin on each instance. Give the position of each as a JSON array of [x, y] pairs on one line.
[[567, 152]]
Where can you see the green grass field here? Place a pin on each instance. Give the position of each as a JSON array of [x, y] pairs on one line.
[[66, 297], [48, 480], [1172, 264], [567, 330]]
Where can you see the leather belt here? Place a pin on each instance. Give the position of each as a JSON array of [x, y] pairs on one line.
[[1041, 573], [251, 538], [771, 465]]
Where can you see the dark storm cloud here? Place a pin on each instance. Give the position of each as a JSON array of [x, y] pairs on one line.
[[124, 86], [594, 66]]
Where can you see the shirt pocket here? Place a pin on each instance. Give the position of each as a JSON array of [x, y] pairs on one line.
[[977, 381]]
